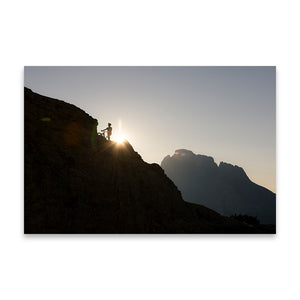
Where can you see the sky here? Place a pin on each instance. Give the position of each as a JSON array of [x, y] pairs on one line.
[[228, 113]]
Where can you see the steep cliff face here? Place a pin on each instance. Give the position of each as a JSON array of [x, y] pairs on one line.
[[78, 182], [224, 188]]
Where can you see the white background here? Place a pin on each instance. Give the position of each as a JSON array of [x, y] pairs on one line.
[[149, 33]]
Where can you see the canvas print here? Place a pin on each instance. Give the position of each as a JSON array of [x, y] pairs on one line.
[[138, 150]]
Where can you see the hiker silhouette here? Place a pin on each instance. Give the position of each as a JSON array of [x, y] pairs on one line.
[[108, 130]]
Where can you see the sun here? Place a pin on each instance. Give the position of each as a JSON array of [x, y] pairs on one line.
[[120, 139]]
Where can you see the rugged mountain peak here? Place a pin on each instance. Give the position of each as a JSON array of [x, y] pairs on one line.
[[225, 188], [233, 172], [184, 156], [183, 153]]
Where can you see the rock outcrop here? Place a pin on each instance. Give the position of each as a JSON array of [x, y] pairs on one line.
[[78, 182], [224, 188]]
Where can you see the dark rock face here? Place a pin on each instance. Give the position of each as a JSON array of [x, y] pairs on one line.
[[78, 182], [224, 188]]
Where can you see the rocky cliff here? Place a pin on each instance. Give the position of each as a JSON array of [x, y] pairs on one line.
[[78, 182], [224, 188]]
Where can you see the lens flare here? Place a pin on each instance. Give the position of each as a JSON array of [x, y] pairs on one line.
[[120, 138]]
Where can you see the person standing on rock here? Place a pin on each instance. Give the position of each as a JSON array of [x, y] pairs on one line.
[[109, 131]]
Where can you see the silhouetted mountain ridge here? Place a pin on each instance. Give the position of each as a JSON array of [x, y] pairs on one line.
[[225, 188], [78, 182]]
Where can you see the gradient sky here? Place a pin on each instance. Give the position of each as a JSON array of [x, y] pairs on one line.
[[228, 113]]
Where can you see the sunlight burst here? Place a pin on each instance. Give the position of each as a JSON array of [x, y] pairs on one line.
[[120, 138]]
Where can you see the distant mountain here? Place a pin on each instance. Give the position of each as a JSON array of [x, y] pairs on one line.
[[78, 182], [224, 188]]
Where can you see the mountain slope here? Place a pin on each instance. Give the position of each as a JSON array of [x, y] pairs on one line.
[[78, 182], [224, 188]]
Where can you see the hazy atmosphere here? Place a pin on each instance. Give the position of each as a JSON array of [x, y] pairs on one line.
[[228, 113]]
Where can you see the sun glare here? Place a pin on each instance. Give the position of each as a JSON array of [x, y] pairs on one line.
[[120, 138]]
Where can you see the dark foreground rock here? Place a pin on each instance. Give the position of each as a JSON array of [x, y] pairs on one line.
[[77, 182]]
